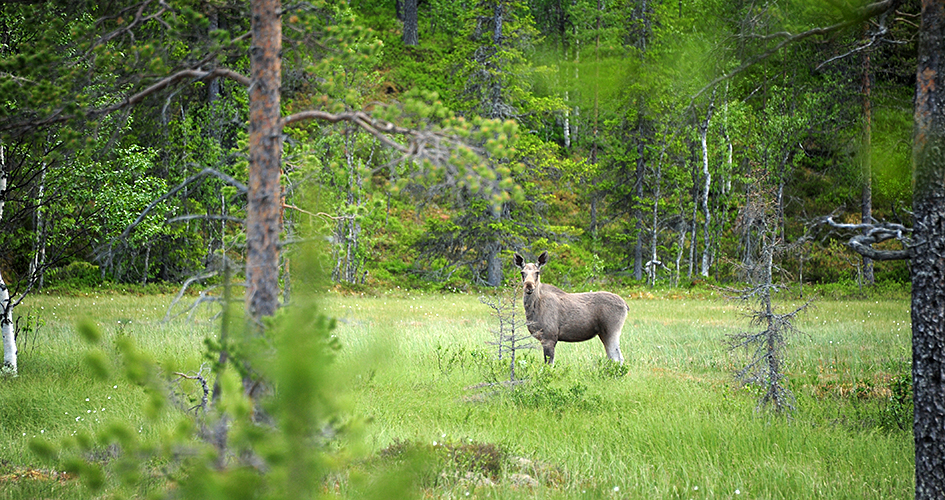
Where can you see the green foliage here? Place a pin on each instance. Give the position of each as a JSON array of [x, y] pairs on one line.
[[621, 75], [77, 275]]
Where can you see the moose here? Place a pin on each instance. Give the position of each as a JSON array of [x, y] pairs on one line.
[[553, 315]]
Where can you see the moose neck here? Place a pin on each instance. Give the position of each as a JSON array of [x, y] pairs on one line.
[[532, 300]]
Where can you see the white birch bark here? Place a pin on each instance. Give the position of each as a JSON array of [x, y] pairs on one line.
[[39, 244], [9, 334], [705, 194], [567, 123], [6, 305]]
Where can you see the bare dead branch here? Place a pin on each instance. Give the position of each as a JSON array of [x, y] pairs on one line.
[[871, 234], [205, 399], [183, 289]]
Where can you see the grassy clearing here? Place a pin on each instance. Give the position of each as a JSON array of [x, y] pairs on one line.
[[671, 427]]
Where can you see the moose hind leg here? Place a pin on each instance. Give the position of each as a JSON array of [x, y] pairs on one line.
[[612, 347]]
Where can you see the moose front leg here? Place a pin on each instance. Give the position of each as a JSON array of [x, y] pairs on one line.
[[548, 347]]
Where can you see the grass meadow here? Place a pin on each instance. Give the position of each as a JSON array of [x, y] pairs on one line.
[[670, 424]]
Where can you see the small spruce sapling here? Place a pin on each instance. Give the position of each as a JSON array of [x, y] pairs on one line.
[[510, 333], [765, 348]]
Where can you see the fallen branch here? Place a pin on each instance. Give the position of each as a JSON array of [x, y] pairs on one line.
[[876, 233]]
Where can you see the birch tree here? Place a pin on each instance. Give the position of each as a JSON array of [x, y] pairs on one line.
[[6, 305]]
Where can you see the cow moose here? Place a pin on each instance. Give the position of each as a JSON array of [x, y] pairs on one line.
[[553, 315]]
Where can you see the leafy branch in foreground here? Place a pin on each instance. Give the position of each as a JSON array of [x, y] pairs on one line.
[[203, 445]]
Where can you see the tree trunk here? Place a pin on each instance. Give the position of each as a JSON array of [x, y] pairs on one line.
[[681, 246], [264, 210], [411, 34], [9, 333], [654, 231], [866, 199], [39, 242], [928, 272], [707, 177], [637, 212], [6, 306]]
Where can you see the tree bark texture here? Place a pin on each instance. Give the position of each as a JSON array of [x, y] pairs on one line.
[[264, 210], [928, 260], [707, 177], [7, 330], [411, 34]]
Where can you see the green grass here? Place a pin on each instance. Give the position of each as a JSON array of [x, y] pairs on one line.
[[672, 427]]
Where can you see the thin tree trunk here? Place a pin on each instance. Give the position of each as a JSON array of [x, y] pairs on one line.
[[8, 331], [679, 251], [707, 178], [866, 200], [264, 209], [637, 212], [147, 264], [567, 122], [411, 34], [6, 306], [213, 88], [39, 243], [693, 239], [654, 233]]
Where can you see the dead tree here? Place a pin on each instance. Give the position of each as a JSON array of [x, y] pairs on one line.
[[765, 348], [510, 333]]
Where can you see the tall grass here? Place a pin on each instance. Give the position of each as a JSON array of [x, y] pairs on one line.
[[671, 427]]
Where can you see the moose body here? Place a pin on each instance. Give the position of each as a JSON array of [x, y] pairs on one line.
[[553, 315]]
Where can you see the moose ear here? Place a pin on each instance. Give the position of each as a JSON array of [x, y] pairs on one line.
[[542, 259], [518, 260]]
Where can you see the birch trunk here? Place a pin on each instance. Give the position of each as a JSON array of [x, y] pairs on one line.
[[6, 304], [39, 244], [654, 234], [6, 326], [707, 176]]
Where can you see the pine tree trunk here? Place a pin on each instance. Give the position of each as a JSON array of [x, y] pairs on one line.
[[928, 272], [411, 34], [264, 210]]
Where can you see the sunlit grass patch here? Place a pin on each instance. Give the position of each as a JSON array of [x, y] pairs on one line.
[[666, 424]]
